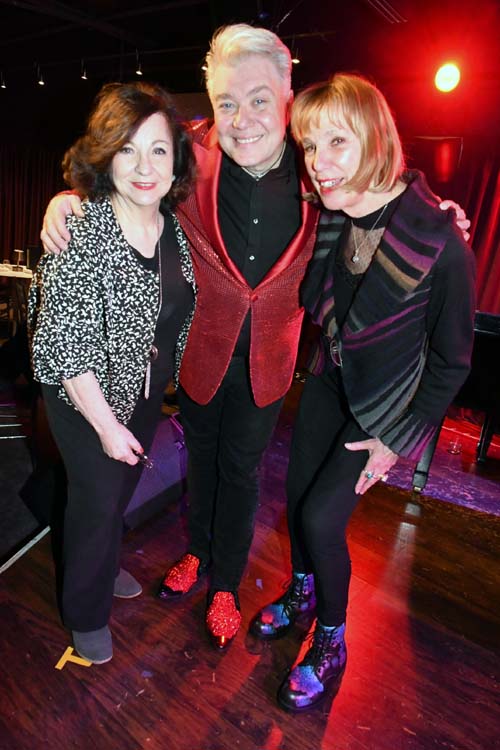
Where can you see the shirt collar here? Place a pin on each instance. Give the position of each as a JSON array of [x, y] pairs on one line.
[[285, 170]]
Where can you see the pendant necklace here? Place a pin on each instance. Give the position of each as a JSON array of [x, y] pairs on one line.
[[259, 175], [356, 256]]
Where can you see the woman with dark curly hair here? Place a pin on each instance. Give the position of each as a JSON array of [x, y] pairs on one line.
[[109, 320]]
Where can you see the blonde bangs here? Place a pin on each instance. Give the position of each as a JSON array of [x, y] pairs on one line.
[[365, 111]]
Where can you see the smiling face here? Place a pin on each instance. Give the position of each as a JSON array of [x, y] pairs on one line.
[[142, 170], [251, 111], [332, 154]]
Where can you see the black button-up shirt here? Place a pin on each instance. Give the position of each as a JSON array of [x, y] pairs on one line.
[[258, 220]]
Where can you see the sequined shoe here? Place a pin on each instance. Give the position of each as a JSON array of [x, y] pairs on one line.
[[181, 577], [223, 618], [276, 618], [319, 671]]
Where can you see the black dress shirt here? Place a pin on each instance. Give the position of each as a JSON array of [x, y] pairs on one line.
[[258, 220]]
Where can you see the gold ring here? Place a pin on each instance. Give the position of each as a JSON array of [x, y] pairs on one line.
[[383, 477]]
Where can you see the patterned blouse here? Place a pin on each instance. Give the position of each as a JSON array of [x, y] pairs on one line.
[[94, 307]]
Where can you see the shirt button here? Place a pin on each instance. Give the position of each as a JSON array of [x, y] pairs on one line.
[[252, 257], [255, 221]]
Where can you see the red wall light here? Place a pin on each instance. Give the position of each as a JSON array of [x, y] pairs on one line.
[[447, 77]]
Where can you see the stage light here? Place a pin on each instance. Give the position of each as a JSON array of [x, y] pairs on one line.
[[138, 69], [39, 76], [3, 85], [447, 77], [83, 71]]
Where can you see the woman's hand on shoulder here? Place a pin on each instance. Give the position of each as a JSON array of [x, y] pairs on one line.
[[462, 221], [55, 235], [380, 460]]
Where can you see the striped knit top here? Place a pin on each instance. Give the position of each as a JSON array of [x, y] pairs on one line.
[[398, 380]]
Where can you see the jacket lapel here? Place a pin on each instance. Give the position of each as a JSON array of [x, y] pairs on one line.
[[209, 160]]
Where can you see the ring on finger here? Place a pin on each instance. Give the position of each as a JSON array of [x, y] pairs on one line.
[[383, 477], [369, 474]]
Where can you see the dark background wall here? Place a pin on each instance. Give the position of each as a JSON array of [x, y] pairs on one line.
[[398, 44]]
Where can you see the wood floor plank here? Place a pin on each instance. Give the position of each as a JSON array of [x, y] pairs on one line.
[[423, 643]]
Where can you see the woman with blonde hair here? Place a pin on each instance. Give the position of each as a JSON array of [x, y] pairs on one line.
[[391, 284]]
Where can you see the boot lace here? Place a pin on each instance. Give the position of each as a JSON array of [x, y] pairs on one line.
[[295, 589], [323, 644]]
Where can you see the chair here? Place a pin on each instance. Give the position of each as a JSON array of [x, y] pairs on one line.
[[481, 391]]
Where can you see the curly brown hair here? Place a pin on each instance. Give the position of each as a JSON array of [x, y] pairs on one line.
[[119, 109]]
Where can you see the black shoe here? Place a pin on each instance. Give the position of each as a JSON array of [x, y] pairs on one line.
[[276, 618], [319, 671]]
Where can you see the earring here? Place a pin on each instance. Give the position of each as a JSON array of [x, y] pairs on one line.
[[174, 178]]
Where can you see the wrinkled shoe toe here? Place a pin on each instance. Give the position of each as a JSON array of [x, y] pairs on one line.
[[95, 646], [126, 586]]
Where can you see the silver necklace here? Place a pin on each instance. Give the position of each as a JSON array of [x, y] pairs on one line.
[[356, 256], [259, 175]]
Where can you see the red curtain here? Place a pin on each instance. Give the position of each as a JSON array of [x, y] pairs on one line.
[[29, 177], [468, 170], [482, 203]]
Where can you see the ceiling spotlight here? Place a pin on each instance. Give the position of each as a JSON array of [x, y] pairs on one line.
[[3, 85], [39, 76], [138, 68], [83, 71]]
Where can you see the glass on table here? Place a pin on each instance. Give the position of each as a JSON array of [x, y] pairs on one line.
[[455, 445], [18, 266]]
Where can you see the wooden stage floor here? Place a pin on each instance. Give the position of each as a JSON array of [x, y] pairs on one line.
[[423, 639]]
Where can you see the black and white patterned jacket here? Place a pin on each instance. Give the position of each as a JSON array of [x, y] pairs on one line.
[[94, 307]]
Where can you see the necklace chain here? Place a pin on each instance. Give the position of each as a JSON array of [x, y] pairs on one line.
[[355, 258], [153, 354], [259, 175]]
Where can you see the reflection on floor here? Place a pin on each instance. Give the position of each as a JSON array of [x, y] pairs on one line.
[[423, 637], [457, 477]]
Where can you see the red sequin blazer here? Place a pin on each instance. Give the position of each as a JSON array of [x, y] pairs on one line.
[[224, 297]]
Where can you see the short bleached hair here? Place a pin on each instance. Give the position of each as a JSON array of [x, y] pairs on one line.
[[235, 42], [366, 112]]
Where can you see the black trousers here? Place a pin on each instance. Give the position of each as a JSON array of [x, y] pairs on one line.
[[225, 439], [99, 490], [322, 475]]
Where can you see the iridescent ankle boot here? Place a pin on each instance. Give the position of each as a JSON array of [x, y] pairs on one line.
[[275, 619], [319, 671]]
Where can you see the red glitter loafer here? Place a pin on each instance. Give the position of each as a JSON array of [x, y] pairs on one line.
[[223, 618], [181, 577]]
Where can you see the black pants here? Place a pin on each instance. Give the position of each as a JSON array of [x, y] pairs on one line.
[[225, 439], [321, 478], [99, 490]]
